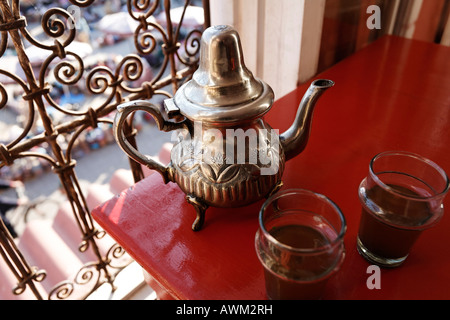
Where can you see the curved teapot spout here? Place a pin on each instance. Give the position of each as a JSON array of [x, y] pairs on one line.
[[294, 139]]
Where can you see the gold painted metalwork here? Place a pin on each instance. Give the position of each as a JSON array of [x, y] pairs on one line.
[[113, 84]]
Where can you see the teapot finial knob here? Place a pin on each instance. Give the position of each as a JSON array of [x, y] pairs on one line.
[[223, 89], [222, 62]]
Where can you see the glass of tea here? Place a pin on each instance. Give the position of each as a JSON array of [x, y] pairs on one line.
[[300, 243], [401, 196]]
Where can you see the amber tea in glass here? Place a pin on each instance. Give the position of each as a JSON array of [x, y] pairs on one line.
[[299, 243], [401, 196]]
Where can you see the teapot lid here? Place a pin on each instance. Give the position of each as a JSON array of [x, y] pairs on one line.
[[222, 89]]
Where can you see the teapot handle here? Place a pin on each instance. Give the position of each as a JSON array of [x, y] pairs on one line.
[[123, 111]]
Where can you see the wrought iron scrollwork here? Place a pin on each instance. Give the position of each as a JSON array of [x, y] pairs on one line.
[[65, 65]]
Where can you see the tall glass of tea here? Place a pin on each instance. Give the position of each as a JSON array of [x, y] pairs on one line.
[[300, 243], [401, 196]]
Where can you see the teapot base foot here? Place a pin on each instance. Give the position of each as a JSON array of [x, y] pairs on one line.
[[200, 208], [275, 189]]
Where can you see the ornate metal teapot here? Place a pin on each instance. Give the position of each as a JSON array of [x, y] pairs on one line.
[[225, 154]]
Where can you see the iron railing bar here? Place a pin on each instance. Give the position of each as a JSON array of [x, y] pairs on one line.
[[74, 124]]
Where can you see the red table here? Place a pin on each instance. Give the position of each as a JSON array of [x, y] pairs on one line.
[[393, 94]]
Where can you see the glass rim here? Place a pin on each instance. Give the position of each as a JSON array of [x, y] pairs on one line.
[[412, 155], [324, 198]]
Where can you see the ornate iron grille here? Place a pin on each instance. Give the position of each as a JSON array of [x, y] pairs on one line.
[[114, 84]]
